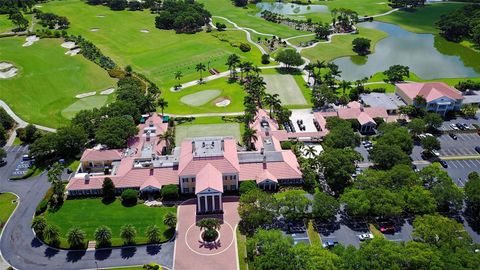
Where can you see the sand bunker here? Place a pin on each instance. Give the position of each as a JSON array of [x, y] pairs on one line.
[[7, 70], [68, 45], [223, 102], [73, 52], [107, 91], [4, 66], [30, 40], [100, 16], [145, 31], [84, 95], [94, 29]]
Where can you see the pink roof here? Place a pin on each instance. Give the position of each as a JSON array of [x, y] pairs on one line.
[[151, 182], [363, 118], [286, 169], [430, 91], [228, 163], [265, 175], [320, 120], [208, 178], [348, 113], [101, 155], [354, 104], [376, 112]]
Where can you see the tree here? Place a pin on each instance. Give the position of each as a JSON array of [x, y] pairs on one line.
[[273, 101], [419, 200], [6, 120], [396, 73], [153, 234], [240, 3], [210, 227], [39, 224], [169, 138], [103, 235], [128, 233], [114, 132], [269, 249], [357, 202], [178, 76], [419, 101], [289, 57], [3, 153], [20, 21], [341, 134], [416, 126], [472, 194], [345, 85], [51, 233], [433, 120], [246, 186], [3, 135], [108, 189], [28, 134], [170, 220], [430, 143], [293, 206], [322, 31], [169, 192], [162, 103], [256, 207], [315, 257], [249, 137], [393, 134], [232, 62], [324, 206], [338, 166], [70, 141], [129, 197], [75, 237], [469, 110], [361, 46], [385, 156], [440, 231], [200, 67]]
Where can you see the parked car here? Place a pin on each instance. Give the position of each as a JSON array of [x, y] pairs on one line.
[[477, 148], [460, 126], [429, 134], [387, 229], [436, 153], [365, 236], [3, 162], [454, 127], [453, 136], [329, 244], [466, 126], [443, 163]]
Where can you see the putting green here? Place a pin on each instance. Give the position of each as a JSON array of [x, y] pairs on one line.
[[183, 132], [47, 80], [87, 103], [286, 87], [200, 98]]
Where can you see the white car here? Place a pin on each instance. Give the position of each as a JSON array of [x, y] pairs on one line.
[[428, 134], [453, 126], [436, 153], [365, 236]]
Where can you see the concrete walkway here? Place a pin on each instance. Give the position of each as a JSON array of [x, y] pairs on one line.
[[21, 122]]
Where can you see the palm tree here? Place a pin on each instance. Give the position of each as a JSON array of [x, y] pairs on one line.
[[38, 225], [232, 63], [103, 235], [168, 137], [345, 85], [334, 69], [170, 220], [178, 75], [149, 105], [75, 237], [249, 136], [273, 101], [209, 224], [51, 233], [162, 103], [248, 118], [128, 233], [200, 67], [310, 68], [310, 151], [153, 234]]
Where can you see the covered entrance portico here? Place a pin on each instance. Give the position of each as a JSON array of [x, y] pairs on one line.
[[209, 201], [209, 190]]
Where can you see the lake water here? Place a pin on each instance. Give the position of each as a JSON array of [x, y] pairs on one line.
[[291, 9], [427, 56]]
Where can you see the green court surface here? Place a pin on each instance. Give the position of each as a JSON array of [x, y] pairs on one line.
[[200, 98], [183, 132], [86, 103], [286, 87], [47, 80]]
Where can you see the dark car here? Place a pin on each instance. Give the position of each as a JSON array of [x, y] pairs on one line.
[[3, 162], [453, 136], [329, 244], [477, 148], [443, 163], [460, 126]]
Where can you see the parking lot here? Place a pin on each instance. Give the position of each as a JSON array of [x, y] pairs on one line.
[[458, 170], [306, 118], [464, 145]]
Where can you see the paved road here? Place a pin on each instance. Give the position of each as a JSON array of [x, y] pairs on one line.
[[23, 250], [21, 122]]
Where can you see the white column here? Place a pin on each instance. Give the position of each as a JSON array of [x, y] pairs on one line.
[[199, 204], [220, 200]]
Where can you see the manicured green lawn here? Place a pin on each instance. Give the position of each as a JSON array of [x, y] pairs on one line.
[[281, 195], [48, 80], [313, 234], [88, 214], [7, 207], [421, 20], [86, 103], [302, 85], [342, 45], [5, 24], [242, 250], [183, 132]]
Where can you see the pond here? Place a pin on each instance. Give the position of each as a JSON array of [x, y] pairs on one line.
[[291, 9], [427, 55]]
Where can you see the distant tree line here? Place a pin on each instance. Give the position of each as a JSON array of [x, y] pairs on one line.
[[407, 3], [92, 52], [461, 24], [13, 6], [50, 20], [154, 5]]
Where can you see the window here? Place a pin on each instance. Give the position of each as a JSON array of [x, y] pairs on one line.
[[225, 177], [231, 177], [193, 190], [235, 177], [185, 190], [193, 179], [233, 187], [185, 180], [225, 188]]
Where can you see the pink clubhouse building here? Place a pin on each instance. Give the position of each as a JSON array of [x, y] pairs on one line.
[[206, 167]]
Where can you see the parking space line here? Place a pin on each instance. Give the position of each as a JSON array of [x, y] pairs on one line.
[[452, 163], [460, 164]]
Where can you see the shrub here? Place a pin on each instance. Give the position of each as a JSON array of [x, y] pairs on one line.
[[244, 47], [246, 186], [265, 59], [286, 145], [129, 197], [116, 73], [42, 207], [170, 192]]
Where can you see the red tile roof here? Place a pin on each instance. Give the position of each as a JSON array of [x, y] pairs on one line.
[[430, 91], [265, 175], [101, 155], [208, 178]]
